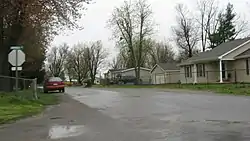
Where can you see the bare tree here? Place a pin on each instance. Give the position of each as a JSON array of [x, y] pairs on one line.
[[144, 15], [132, 24], [95, 56], [77, 59], [186, 33], [117, 62], [69, 67], [207, 19], [161, 53], [56, 60], [183, 55]]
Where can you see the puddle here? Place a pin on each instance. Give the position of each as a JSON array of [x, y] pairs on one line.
[[58, 132]]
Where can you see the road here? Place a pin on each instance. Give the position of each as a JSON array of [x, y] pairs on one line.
[[138, 115]]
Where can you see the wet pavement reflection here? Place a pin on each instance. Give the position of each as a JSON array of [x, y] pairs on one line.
[[65, 131], [173, 116]]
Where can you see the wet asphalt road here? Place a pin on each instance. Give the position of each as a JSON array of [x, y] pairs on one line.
[[157, 115]]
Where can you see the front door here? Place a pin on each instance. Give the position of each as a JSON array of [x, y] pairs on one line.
[[223, 70]]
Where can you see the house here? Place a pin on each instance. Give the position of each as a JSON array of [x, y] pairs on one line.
[[113, 74], [144, 74], [165, 73], [228, 62]]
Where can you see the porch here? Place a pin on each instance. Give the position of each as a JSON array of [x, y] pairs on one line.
[[216, 72]]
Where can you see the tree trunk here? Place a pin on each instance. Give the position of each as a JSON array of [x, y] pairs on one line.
[[92, 79], [79, 80], [5, 83]]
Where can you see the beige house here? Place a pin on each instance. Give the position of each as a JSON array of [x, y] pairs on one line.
[[144, 74], [165, 73], [227, 63], [113, 73], [116, 73]]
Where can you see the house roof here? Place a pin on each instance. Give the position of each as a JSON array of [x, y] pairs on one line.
[[215, 53], [245, 54], [112, 70], [169, 66], [166, 66], [130, 69]]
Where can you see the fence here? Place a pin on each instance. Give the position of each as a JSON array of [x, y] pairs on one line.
[[22, 84], [203, 77], [132, 79]]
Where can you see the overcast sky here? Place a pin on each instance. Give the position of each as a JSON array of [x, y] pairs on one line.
[[96, 16]]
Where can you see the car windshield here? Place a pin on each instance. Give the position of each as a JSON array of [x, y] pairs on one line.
[[55, 79]]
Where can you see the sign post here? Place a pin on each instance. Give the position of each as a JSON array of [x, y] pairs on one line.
[[16, 59], [16, 71]]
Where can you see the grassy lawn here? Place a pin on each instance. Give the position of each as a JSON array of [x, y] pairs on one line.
[[235, 89], [17, 105]]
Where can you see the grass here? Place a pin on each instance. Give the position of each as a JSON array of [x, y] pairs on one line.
[[234, 89], [17, 105]]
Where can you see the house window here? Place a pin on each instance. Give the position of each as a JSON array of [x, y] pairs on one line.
[[188, 71], [200, 70], [247, 66]]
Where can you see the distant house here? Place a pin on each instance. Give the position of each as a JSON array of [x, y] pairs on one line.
[[113, 74], [165, 73], [228, 62]]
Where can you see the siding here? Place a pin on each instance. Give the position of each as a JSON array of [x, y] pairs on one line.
[[172, 76], [145, 75], [162, 77], [241, 74], [211, 74], [183, 78], [237, 52], [157, 71]]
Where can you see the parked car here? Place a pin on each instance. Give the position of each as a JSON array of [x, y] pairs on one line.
[[53, 84]]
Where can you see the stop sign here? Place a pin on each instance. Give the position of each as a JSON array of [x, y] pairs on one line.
[[16, 57]]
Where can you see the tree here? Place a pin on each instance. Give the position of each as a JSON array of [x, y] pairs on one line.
[[132, 25], [183, 55], [69, 67], [161, 52], [115, 63], [43, 17], [95, 56], [77, 59], [57, 59], [228, 28], [207, 20], [185, 32]]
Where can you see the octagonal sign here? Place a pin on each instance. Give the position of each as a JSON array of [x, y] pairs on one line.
[[19, 57]]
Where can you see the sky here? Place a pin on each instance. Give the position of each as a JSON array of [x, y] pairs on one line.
[[97, 14]]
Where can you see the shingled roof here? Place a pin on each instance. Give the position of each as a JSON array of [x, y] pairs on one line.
[[166, 66], [213, 54]]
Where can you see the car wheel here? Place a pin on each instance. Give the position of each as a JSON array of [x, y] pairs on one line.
[[45, 91], [63, 90]]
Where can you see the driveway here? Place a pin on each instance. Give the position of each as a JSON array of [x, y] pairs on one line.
[[137, 115], [173, 115]]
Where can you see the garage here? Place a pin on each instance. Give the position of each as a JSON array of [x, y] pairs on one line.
[[164, 73]]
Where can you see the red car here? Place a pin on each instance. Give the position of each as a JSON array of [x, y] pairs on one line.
[[53, 84]]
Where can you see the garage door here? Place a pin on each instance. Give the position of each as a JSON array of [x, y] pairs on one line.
[[160, 79]]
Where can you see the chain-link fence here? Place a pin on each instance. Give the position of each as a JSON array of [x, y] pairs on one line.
[[19, 84], [144, 80], [202, 77]]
